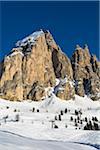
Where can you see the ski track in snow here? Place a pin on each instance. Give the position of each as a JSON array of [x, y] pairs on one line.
[[34, 132], [11, 141], [88, 139]]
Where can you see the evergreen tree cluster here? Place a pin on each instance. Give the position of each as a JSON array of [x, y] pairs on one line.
[[91, 124]]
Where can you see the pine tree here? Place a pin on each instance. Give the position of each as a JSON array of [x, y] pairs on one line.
[[96, 127], [86, 119], [33, 110], [65, 110], [76, 112], [75, 120], [95, 119], [66, 126], [17, 118], [92, 118], [61, 112], [55, 117], [5, 118], [78, 118], [59, 117], [37, 110], [71, 118], [76, 124], [90, 125], [81, 122], [56, 127], [7, 107]]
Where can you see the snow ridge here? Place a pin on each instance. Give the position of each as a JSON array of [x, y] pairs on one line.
[[29, 39]]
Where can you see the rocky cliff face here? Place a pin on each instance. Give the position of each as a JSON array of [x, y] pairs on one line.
[[86, 73], [33, 66], [37, 63]]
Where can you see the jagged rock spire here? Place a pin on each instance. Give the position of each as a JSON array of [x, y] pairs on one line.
[[78, 47], [85, 46], [86, 73]]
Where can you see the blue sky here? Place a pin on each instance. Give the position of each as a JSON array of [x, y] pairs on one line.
[[70, 23]]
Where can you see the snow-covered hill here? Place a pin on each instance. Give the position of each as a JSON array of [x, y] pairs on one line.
[[9, 141], [33, 124]]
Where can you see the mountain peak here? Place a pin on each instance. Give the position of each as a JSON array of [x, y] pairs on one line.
[[78, 47], [37, 61], [85, 46], [30, 39]]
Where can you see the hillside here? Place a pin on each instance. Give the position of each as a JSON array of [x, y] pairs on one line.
[[35, 123]]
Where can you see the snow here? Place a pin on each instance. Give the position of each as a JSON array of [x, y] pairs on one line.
[[57, 81], [60, 84], [34, 130], [16, 53], [9, 141], [63, 81], [29, 39]]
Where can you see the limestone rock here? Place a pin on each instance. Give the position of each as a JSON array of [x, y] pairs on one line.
[[86, 73], [11, 79], [65, 89], [36, 59], [37, 92], [61, 63], [37, 62]]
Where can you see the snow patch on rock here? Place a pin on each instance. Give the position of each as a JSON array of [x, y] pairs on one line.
[[30, 39]]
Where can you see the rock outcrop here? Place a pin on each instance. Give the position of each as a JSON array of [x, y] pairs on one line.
[[65, 89], [86, 73], [32, 66], [37, 62]]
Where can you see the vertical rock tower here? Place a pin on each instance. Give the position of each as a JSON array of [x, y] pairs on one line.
[[33, 66], [86, 73]]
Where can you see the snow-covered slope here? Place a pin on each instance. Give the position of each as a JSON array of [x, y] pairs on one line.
[[10, 141], [36, 120]]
